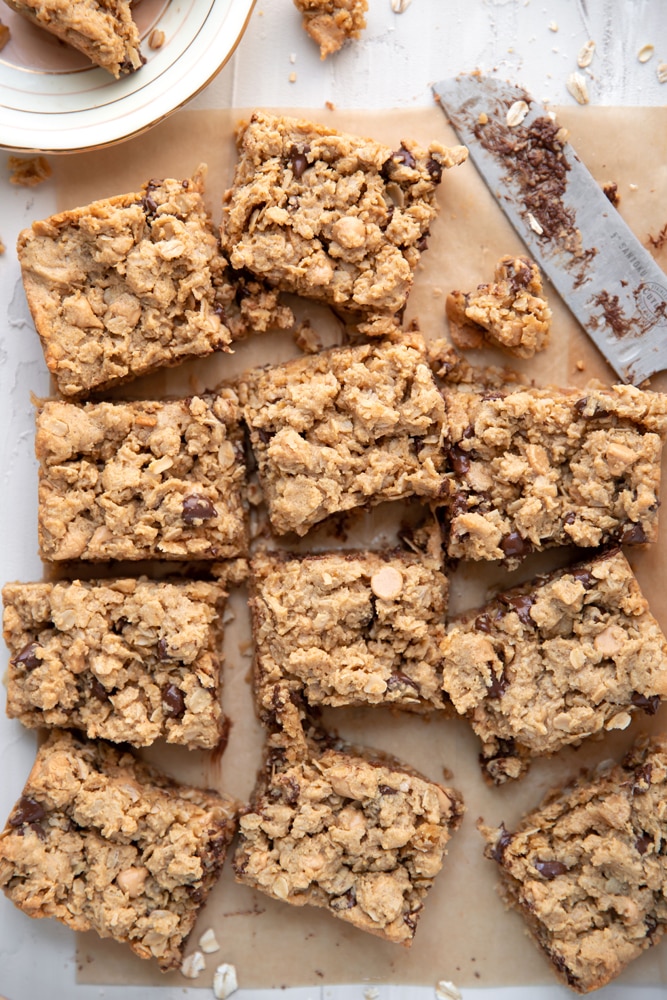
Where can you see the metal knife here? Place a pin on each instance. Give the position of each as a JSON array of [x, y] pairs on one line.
[[603, 273]]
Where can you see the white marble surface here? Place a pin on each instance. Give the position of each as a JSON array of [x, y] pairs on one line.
[[529, 41]]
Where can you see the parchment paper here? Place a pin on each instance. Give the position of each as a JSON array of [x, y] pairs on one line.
[[464, 933]]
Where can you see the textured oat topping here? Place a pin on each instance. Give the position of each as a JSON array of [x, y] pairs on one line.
[[587, 868], [331, 23], [554, 661], [125, 660], [103, 842]]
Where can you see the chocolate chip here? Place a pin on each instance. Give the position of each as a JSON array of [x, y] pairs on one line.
[[345, 902], [197, 508], [550, 869], [648, 703], [486, 622], [515, 545], [459, 460], [27, 658], [422, 244], [651, 925], [501, 844], [185, 184], [27, 810], [633, 534], [581, 404], [118, 626], [387, 790], [264, 436], [299, 161], [521, 604], [498, 686], [469, 432], [434, 170], [570, 517], [642, 779], [404, 155], [643, 842], [583, 575], [98, 690], [163, 650], [399, 680], [292, 790], [172, 698]]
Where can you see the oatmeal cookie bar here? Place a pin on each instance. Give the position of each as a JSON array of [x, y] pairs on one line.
[[332, 216], [348, 427], [587, 868], [511, 313], [125, 660], [360, 834], [554, 661], [532, 468], [102, 29], [331, 23], [349, 628], [140, 480], [103, 842], [130, 284]]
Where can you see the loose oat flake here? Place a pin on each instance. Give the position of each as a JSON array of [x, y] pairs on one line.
[[224, 981], [661, 71], [445, 990], [208, 942], [534, 224], [517, 113], [398, 6], [585, 56], [645, 53], [192, 965], [576, 84]]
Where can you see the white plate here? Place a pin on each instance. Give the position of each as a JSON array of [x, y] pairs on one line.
[[53, 100]]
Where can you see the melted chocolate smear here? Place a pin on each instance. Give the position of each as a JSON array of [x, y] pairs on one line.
[[501, 844], [197, 508], [27, 658], [633, 534], [584, 576], [613, 314], [550, 869]]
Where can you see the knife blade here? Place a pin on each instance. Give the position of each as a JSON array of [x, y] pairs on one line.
[[609, 281]]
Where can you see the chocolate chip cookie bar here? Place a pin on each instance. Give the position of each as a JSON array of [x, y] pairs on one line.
[[348, 427], [362, 835], [332, 216], [533, 468], [331, 23], [511, 313], [102, 842], [134, 283], [125, 660], [102, 29], [141, 480], [587, 869], [348, 628], [554, 661]]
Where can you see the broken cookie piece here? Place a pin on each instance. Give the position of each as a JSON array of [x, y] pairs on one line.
[[586, 869], [510, 313], [344, 828], [331, 23], [103, 842], [102, 29], [331, 216], [554, 661], [28, 171]]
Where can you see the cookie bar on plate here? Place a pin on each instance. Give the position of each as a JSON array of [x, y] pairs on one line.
[[587, 868], [532, 468], [103, 842], [344, 428], [125, 660], [130, 284], [343, 828], [547, 664], [332, 216], [349, 628], [140, 480]]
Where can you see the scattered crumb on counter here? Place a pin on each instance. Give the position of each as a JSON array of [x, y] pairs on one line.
[[610, 189], [580, 366], [292, 78], [446, 990], [28, 171]]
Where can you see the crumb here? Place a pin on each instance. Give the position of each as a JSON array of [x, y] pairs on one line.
[[28, 171], [307, 339], [610, 189], [329, 105], [292, 78], [2, 247], [292, 57], [580, 366], [633, 187]]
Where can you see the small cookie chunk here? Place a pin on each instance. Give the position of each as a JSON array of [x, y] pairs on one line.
[[102, 29], [587, 868], [124, 660], [331, 23], [102, 842], [532, 468], [332, 216], [134, 283], [350, 426], [5, 35], [343, 828], [28, 171], [142, 480], [554, 661], [349, 628], [511, 313]]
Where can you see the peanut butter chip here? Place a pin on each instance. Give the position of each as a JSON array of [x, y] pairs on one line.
[[387, 583], [131, 880]]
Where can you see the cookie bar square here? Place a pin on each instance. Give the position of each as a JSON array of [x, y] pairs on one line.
[[586, 869], [348, 427], [532, 468], [103, 842], [130, 284], [554, 661], [104, 31], [332, 216], [349, 628], [511, 312], [362, 835], [331, 23], [124, 660], [140, 480]]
